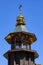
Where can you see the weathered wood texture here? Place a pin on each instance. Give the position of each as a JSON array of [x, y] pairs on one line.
[[21, 58]]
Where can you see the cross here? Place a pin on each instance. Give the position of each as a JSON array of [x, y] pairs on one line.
[[20, 7]]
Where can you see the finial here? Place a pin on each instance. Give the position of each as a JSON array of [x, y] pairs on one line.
[[20, 7], [20, 18]]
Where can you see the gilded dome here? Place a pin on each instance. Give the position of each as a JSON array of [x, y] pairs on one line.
[[20, 19]]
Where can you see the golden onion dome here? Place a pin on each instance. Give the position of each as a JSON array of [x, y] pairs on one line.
[[20, 19]]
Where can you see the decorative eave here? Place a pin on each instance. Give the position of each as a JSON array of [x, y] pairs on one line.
[[20, 37], [6, 55]]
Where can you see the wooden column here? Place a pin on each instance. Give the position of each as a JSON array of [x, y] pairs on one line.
[[22, 45], [28, 46]]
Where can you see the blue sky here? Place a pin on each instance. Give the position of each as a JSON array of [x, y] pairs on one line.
[[33, 13]]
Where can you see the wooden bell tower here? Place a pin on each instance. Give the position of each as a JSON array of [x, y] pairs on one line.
[[20, 38]]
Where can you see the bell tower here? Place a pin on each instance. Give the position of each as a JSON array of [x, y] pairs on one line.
[[20, 38]]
